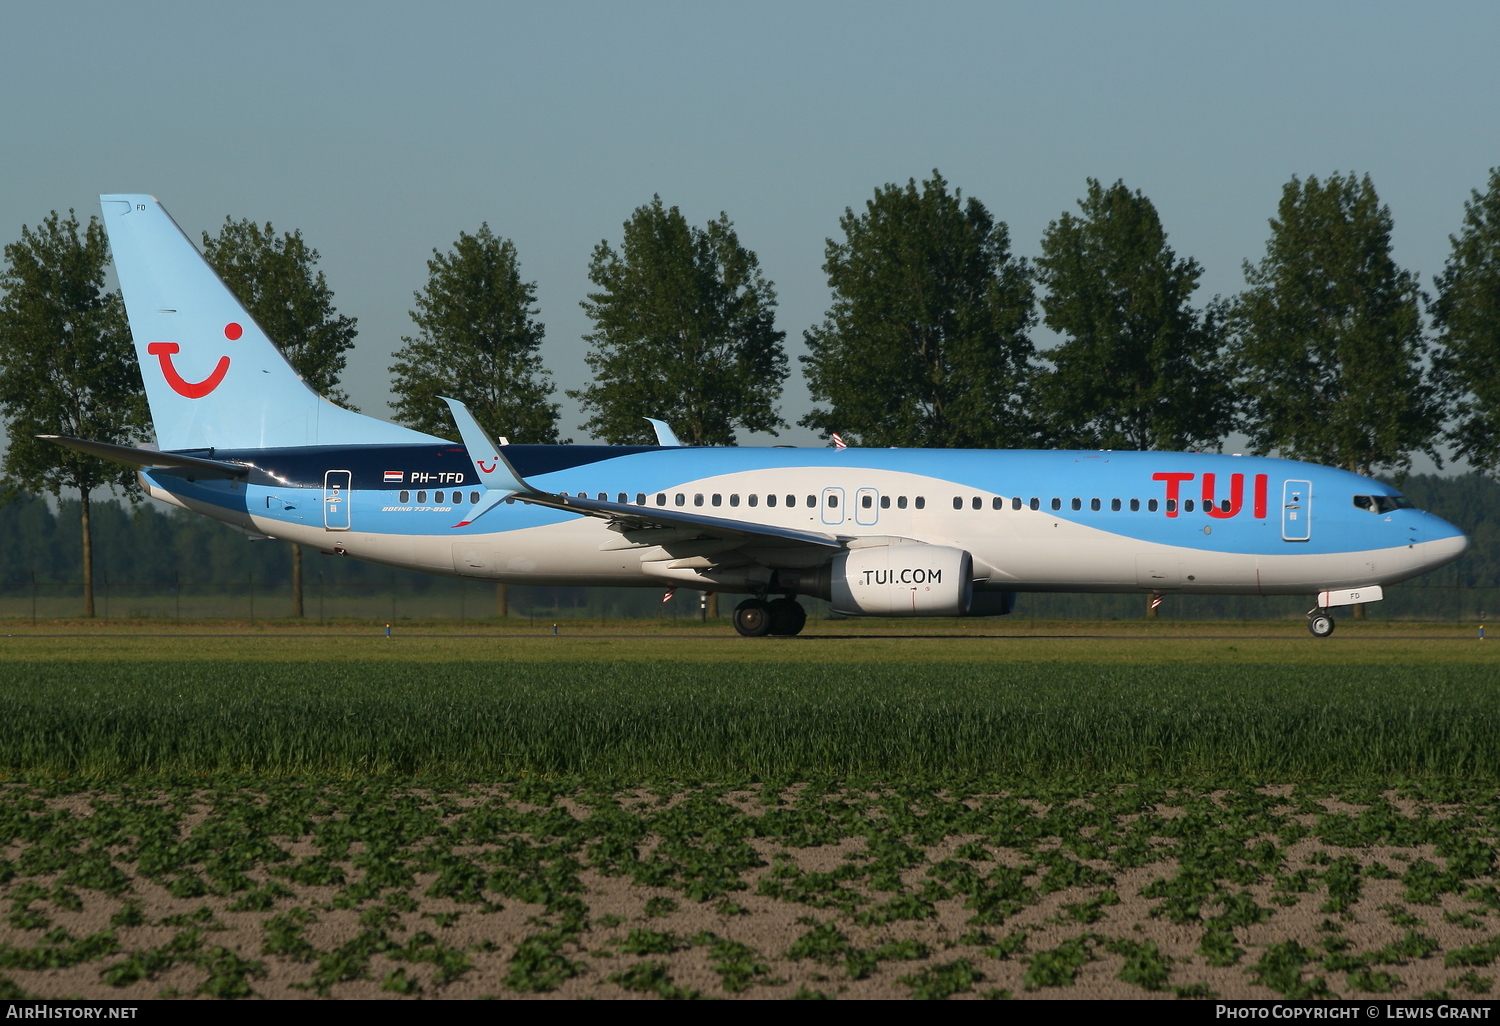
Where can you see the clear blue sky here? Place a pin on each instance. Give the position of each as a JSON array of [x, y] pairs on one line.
[[383, 130]]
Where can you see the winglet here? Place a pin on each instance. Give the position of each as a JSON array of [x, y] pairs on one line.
[[664, 435], [489, 462], [488, 501]]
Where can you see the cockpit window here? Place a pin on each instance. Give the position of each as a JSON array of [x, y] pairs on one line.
[[1382, 503]]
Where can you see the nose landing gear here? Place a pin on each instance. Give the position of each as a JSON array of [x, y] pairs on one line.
[[1320, 622], [756, 618]]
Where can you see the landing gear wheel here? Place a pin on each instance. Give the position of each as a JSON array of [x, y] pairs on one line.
[[1320, 623], [787, 617], [752, 618]]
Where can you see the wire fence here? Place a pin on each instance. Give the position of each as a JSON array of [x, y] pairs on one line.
[[408, 597]]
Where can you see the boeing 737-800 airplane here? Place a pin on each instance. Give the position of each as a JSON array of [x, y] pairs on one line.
[[876, 532]]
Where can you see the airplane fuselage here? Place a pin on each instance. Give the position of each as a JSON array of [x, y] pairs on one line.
[[1032, 520]]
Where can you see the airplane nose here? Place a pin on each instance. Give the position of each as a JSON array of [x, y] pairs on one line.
[[1444, 550]]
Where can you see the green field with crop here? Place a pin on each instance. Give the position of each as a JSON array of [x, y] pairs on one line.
[[729, 721], [871, 810]]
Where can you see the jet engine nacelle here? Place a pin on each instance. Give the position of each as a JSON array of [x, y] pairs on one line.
[[903, 580]]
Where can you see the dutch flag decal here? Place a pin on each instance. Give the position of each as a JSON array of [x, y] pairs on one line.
[[394, 476]]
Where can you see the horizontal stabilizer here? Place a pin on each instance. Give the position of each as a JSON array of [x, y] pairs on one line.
[[191, 467]]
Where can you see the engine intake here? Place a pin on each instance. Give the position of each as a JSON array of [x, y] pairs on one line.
[[903, 580]]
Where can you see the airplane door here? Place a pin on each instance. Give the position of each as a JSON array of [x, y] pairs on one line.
[[866, 506], [336, 500], [833, 505], [1296, 511]]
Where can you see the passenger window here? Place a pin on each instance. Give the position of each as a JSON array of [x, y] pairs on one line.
[[1188, 505], [718, 500], [421, 498], [734, 500], [812, 500], [958, 503], [405, 497], [1150, 505], [1077, 503], [1035, 503], [978, 503], [791, 500], [1094, 504], [1171, 505], [997, 502], [661, 498], [1114, 505], [921, 502], [438, 498], [770, 500], [1135, 505], [753, 499], [867, 501], [681, 499], [1016, 503], [885, 502], [900, 502], [603, 496], [833, 500], [473, 496], [698, 499], [640, 498], [621, 499], [1057, 504]]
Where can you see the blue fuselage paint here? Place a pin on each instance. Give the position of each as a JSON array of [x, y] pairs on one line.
[[1124, 501]]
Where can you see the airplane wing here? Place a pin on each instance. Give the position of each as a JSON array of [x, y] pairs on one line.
[[190, 467], [504, 482], [645, 517], [664, 433]]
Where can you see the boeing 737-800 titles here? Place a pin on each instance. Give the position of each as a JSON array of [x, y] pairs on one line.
[[876, 532]]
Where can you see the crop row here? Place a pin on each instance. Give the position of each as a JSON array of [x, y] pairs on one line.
[[643, 720], [345, 888]]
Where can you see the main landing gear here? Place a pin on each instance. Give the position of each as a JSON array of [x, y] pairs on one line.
[[1320, 622], [755, 618]]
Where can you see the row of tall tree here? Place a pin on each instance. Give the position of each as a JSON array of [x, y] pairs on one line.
[[1325, 355]]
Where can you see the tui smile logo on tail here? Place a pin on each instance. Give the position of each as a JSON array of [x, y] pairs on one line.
[[192, 389]]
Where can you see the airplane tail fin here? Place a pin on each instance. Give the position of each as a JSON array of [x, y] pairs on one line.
[[213, 378]]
